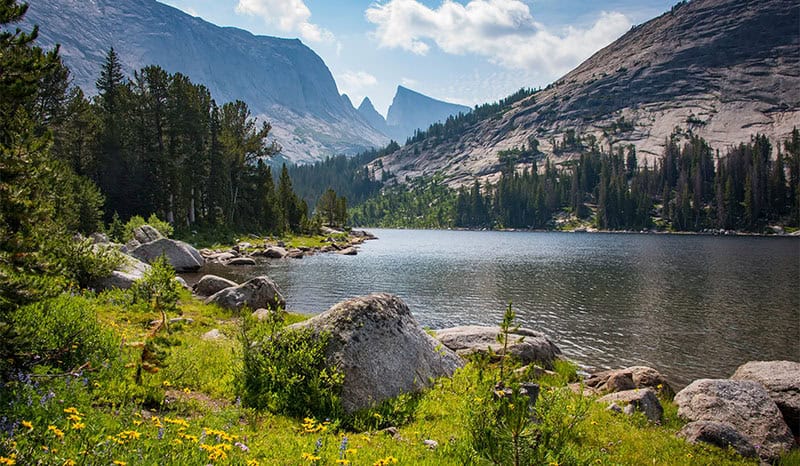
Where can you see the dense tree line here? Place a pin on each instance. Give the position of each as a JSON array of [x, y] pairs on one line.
[[689, 189], [421, 203], [349, 177], [158, 143]]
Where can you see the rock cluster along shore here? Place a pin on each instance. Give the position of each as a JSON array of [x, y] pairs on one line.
[[247, 253], [149, 244]]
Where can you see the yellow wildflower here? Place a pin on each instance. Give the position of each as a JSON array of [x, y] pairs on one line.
[[252, 463], [177, 441], [187, 390], [8, 460], [166, 383], [137, 422], [74, 418], [342, 461], [56, 431], [69, 462], [27, 424], [386, 461], [72, 410], [310, 457], [78, 425], [119, 463], [351, 451]]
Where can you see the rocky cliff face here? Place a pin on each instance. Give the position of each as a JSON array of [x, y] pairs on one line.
[[411, 110], [375, 119], [722, 69], [281, 80]]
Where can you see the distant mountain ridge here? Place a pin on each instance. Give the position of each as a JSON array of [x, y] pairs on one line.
[[720, 69], [411, 110], [281, 80]]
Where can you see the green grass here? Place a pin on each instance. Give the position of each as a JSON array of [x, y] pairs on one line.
[[194, 392]]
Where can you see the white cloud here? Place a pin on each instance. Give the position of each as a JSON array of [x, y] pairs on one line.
[[288, 16], [409, 82], [504, 31], [355, 84]]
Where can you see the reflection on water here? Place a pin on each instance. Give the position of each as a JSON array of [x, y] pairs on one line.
[[691, 306]]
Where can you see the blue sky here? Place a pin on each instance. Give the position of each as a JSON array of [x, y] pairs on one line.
[[464, 51]]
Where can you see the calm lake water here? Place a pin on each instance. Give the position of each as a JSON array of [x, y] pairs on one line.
[[690, 306]]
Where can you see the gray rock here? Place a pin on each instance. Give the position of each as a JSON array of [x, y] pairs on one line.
[[273, 252], [743, 404], [263, 314], [183, 283], [644, 400], [213, 334], [782, 381], [240, 261], [130, 270], [295, 254], [720, 434], [210, 284], [527, 345], [255, 293], [381, 349], [627, 379], [99, 238], [146, 234], [130, 246], [351, 251], [222, 257], [181, 256]]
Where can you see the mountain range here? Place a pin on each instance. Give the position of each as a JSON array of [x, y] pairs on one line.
[[282, 80], [720, 69]]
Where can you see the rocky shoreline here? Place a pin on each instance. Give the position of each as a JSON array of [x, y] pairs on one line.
[[246, 252]]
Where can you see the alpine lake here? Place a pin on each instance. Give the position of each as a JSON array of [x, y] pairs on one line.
[[690, 306]]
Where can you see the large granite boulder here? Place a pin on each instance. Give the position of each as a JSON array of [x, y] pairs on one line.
[[782, 381], [743, 404], [181, 256], [272, 252], [129, 270], [720, 434], [380, 348], [617, 380], [527, 345], [210, 284], [255, 293], [146, 234], [644, 401]]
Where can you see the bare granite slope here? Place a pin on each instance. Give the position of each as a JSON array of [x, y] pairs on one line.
[[721, 69]]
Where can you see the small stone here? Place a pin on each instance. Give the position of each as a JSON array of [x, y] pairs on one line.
[[212, 335], [432, 444]]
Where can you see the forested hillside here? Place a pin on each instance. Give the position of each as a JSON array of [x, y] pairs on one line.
[[689, 188]]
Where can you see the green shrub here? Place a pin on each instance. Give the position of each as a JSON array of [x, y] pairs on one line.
[[136, 221], [81, 261], [158, 289], [284, 371], [513, 422], [62, 334]]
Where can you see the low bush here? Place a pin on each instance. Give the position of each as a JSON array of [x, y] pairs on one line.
[[285, 371], [62, 334]]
